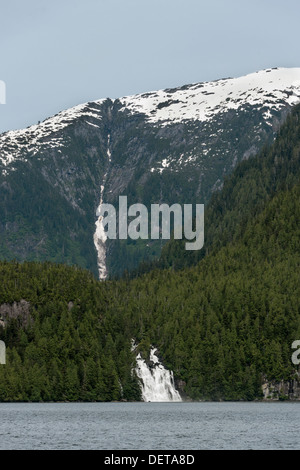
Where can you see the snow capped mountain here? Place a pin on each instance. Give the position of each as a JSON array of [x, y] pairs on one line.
[[172, 146], [34, 138], [272, 89]]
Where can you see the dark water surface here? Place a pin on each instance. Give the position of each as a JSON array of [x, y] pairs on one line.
[[150, 426]]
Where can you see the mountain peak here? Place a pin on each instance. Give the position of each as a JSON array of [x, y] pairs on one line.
[[270, 88], [267, 90]]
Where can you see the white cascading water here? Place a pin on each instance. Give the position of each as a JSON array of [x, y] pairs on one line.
[[100, 236], [157, 382]]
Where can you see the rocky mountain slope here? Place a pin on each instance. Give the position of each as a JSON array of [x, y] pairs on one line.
[[172, 146], [226, 326]]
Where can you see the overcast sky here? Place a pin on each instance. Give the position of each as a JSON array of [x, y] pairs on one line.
[[60, 53]]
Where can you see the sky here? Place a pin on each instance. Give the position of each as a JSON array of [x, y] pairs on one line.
[[55, 55]]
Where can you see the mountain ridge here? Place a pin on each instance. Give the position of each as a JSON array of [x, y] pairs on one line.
[[99, 150], [225, 327], [150, 102]]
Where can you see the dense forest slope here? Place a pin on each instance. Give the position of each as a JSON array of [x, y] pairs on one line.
[[243, 196], [224, 323], [61, 344], [228, 322]]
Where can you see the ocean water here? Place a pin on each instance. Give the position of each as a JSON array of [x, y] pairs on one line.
[[149, 426]]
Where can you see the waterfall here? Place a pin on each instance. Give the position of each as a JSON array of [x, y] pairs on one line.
[[100, 235], [156, 381]]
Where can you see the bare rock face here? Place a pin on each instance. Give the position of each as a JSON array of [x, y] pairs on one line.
[[281, 390], [19, 311]]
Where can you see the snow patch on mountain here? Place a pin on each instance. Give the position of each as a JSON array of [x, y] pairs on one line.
[[271, 88], [14, 144], [268, 90]]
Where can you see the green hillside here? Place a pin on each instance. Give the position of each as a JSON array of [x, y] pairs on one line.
[[223, 322], [244, 195], [227, 322], [61, 344]]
